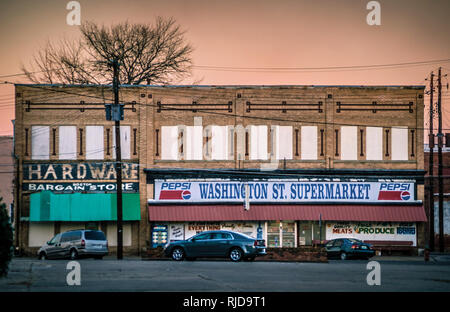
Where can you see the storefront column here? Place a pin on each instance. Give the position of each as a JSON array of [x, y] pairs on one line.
[[265, 233], [281, 233], [295, 235]]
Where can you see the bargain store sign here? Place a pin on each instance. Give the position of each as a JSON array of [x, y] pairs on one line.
[[283, 191]]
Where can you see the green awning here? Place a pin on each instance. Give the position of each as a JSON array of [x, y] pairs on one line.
[[46, 206]]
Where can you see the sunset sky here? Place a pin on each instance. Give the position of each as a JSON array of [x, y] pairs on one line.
[[253, 34]]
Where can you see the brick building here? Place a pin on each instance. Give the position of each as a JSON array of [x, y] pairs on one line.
[[6, 172], [314, 162]]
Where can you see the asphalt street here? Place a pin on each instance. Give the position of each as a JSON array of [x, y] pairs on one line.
[[224, 276]]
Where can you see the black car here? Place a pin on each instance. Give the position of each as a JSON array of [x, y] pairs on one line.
[[345, 248], [217, 244]]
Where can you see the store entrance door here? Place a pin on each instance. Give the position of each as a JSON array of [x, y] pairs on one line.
[[305, 234]]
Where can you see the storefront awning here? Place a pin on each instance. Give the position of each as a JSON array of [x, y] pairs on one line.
[[47, 206], [393, 213]]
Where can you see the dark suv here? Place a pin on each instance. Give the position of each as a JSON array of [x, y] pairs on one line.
[[74, 244]]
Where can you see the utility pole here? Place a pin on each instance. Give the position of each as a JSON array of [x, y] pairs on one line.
[[431, 168], [116, 116], [441, 184]]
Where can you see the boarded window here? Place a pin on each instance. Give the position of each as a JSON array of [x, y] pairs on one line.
[[282, 142], [111, 234], [219, 142], [399, 143], [67, 142], [258, 142], [349, 143], [40, 142], [169, 142], [125, 142], [309, 142], [94, 142], [39, 233], [374, 143], [194, 143]]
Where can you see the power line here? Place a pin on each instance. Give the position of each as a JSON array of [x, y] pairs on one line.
[[327, 68]]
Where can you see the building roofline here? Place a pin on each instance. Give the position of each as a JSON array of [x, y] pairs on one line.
[[226, 86]]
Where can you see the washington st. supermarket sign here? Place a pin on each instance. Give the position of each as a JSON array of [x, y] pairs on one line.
[[283, 191]]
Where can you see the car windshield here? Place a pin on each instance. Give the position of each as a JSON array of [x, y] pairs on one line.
[[94, 235], [354, 240], [54, 239]]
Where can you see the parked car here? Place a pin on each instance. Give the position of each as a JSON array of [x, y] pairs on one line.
[[345, 248], [223, 244], [74, 244]]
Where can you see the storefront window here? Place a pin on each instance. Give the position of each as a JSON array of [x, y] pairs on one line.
[[273, 234], [316, 231], [281, 234], [288, 233]]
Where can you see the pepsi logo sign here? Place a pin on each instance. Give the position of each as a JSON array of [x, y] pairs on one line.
[[405, 195], [186, 195]]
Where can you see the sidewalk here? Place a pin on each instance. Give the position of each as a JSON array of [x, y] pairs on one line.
[[434, 257]]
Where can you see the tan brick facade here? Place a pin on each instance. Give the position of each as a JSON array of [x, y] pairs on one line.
[[150, 108]]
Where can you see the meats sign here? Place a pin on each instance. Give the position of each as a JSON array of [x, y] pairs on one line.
[[283, 191]]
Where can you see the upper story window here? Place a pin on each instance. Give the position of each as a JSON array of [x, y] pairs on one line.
[[349, 143], [220, 142], [374, 143], [309, 142], [194, 143], [169, 143], [67, 142], [258, 143], [40, 142], [399, 143], [125, 142], [94, 142], [281, 141]]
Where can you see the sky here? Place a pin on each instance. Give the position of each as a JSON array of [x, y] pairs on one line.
[[253, 34]]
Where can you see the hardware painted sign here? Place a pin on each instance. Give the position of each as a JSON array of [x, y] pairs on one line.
[[78, 171], [284, 191], [79, 177]]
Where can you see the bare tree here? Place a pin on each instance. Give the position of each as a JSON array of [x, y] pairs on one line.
[[157, 54]]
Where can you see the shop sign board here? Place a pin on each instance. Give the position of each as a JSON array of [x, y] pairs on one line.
[[245, 227], [79, 177], [284, 191], [176, 232], [389, 231], [159, 235]]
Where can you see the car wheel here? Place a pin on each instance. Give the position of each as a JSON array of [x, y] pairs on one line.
[[42, 256], [73, 254], [236, 254], [344, 256], [178, 254]]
